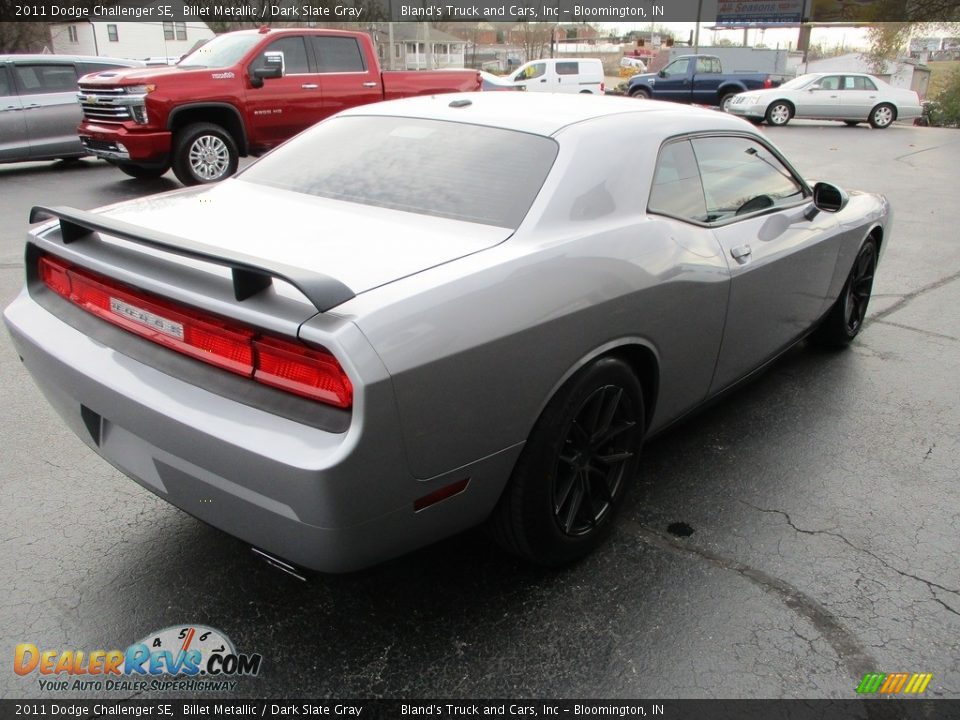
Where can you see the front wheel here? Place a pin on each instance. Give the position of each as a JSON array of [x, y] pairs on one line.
[[573, 472], [143, 173], [845, 319], [882, 116], [204, 153], [640, 93], [779, 113]]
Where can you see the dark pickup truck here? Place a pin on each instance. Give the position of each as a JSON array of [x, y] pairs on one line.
[[240, 94], [697, 79]]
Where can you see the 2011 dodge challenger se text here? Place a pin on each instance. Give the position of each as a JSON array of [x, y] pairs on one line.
[[427, 314]]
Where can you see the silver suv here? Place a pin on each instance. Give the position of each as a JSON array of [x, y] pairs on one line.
[[39, 112]]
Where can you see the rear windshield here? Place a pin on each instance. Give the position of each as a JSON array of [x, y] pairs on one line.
[[431, 167]]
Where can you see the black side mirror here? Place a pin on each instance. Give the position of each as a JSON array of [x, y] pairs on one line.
[[662, 73], [272, 68]]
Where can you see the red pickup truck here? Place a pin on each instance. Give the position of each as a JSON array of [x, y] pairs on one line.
[[240, 94]]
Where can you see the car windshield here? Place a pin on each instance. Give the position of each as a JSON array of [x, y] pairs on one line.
[[432, 167], [799, 82], [221, 52]]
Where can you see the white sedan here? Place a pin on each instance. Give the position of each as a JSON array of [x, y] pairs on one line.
[[850, 97]]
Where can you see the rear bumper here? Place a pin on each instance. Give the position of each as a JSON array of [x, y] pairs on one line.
[[121, 144], [333, 502]]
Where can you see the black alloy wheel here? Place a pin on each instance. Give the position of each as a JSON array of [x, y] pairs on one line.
[[575, 469], [594, 456], [845, 319], [859, 287]]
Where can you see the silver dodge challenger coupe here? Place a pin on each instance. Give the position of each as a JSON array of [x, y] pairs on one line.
[[424, 315]]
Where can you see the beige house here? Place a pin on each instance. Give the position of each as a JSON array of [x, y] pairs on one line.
[[417, 46]]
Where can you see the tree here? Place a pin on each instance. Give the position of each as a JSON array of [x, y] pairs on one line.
[[20, 37]]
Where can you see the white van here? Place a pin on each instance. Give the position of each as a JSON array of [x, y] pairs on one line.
[[581, 75]]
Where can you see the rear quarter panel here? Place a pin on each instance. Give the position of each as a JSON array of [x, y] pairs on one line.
[[477, 347]]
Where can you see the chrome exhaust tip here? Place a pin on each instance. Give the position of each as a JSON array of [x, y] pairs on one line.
[[279, 564]]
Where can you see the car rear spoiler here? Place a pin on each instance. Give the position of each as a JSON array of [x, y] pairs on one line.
[[250, 275]]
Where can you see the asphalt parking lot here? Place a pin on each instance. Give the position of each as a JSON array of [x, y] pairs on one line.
[[783, 543]]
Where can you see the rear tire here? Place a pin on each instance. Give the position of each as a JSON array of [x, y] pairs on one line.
[[779, 113], [882, 116], [574, 471], [725, 101], [143, 173], [204, 153], [845, 319]]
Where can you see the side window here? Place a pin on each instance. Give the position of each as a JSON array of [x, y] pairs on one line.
[[294, 55], [43, 78], [857, 82], [534, 71], [832, 82], [338, 54], [706, 65], [6, 90], [676, 189], [678, 67], [568, 68], [741, 176]]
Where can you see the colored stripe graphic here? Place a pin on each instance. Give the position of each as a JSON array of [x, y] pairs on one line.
[[870, 683], [894, 683]]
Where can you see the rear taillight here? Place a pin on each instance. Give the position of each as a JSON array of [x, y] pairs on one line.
[[283, 364], [767, 82], [292, 367], [603, 88]]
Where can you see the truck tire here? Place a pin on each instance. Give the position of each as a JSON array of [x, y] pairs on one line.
[[204, 153], [641, 93], [725, 100], [143, 173]]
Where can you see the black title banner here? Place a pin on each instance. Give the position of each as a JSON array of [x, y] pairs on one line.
[[869, 709], [771, 12]]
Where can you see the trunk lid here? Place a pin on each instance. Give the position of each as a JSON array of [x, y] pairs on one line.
[[359, 245]]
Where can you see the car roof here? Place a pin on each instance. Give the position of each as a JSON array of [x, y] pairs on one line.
[[46, 58], [548, 113]]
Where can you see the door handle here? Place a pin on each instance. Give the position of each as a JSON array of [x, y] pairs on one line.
[[833, 96], [741, 253], [309, 86], [543, 80], [369, 84], [12, 108]]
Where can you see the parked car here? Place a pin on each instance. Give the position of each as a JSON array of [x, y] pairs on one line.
[[697, 79], [240, 94], [851, 97], [582, 75], [38, 104], [424, 315]]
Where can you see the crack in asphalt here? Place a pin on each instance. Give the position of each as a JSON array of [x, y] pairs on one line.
[[928, 333], [854, 655], [923, 150], [904, 299], [929, 583]]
